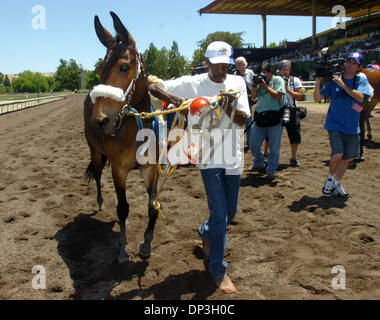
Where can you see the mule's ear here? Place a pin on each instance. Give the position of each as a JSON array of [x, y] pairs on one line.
[[104, 36], [122, 31]]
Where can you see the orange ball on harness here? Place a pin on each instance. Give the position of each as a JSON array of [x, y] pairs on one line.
[[197, 104]]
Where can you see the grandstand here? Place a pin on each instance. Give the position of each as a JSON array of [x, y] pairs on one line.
[[362, 33]]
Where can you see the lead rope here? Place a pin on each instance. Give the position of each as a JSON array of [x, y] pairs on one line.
[[216, 117], [178, 122]]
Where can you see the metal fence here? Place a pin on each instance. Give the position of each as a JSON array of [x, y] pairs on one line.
[[6, 107]]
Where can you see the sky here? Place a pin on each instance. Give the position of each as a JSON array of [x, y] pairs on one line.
[[27, 43]]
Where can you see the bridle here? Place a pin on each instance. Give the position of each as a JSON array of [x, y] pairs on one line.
[[118, 94]]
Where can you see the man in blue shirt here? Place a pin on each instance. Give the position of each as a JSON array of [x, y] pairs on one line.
[[346, 92]]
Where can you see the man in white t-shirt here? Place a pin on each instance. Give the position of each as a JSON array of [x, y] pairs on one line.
[[247, 74], [221, 177], [293, 93]]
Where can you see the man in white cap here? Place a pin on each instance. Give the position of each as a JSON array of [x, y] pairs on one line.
[[221, 178]]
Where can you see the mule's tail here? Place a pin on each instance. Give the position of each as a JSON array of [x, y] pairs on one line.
[[89, 173]]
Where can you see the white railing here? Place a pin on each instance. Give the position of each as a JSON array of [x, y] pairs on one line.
[[308, 84], [6, 107]]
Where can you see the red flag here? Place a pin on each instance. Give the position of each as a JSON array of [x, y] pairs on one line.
[[357, 108]]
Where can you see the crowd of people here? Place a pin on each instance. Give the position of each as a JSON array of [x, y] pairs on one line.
[[363, 46]]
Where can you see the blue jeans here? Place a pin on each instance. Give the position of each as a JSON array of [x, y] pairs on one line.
[[256, 140], [248, 132], [222, 195]]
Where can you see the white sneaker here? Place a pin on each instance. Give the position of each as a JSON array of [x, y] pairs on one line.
[[329, 187], [339, 191]]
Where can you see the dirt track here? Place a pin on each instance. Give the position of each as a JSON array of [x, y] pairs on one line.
[[283, 243]]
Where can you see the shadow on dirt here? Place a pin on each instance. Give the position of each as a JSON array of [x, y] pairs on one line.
[[311, 204], [174, 286], [90, 247]]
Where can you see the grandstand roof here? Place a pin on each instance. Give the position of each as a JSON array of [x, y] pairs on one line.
[[354, 8], [375, 18]]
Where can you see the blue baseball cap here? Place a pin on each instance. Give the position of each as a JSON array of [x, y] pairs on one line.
[[357, 56]]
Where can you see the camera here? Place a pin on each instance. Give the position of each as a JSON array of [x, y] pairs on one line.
[[286, 115], [259, 78], [278, 73], [328, 68]]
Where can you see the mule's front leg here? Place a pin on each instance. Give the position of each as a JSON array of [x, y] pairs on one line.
[[150, 175], [119, 178], [145, 247], [122, 212]]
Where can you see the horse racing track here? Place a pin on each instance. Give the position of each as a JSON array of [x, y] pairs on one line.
[[283, 244]]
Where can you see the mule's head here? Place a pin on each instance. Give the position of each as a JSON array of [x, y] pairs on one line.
[[122, 75]]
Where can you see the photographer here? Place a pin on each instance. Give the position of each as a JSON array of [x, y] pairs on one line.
[[293, 87], [347, 92], [269, 91]]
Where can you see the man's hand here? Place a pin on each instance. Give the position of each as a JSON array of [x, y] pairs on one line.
[[339, 81], [240, 116], [353, 93], [158, 90], [226, 99], [318, 79], [263, 84], [317, 89]]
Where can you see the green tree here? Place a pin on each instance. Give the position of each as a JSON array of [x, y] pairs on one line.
[[233, 39], [7, 82], [68, 75], [51, 83], [30, 82], [177, 63], [92, 77], [198, 57], [163, 64], [40, 83], [157, 62], [283, 43], [272, 45], [1, 79]]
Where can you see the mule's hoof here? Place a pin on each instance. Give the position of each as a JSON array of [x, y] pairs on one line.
[[123, 257], [144, 253], [102, 207]]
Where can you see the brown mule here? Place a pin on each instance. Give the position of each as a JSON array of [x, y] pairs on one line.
[[373, 76], [112, 136]]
